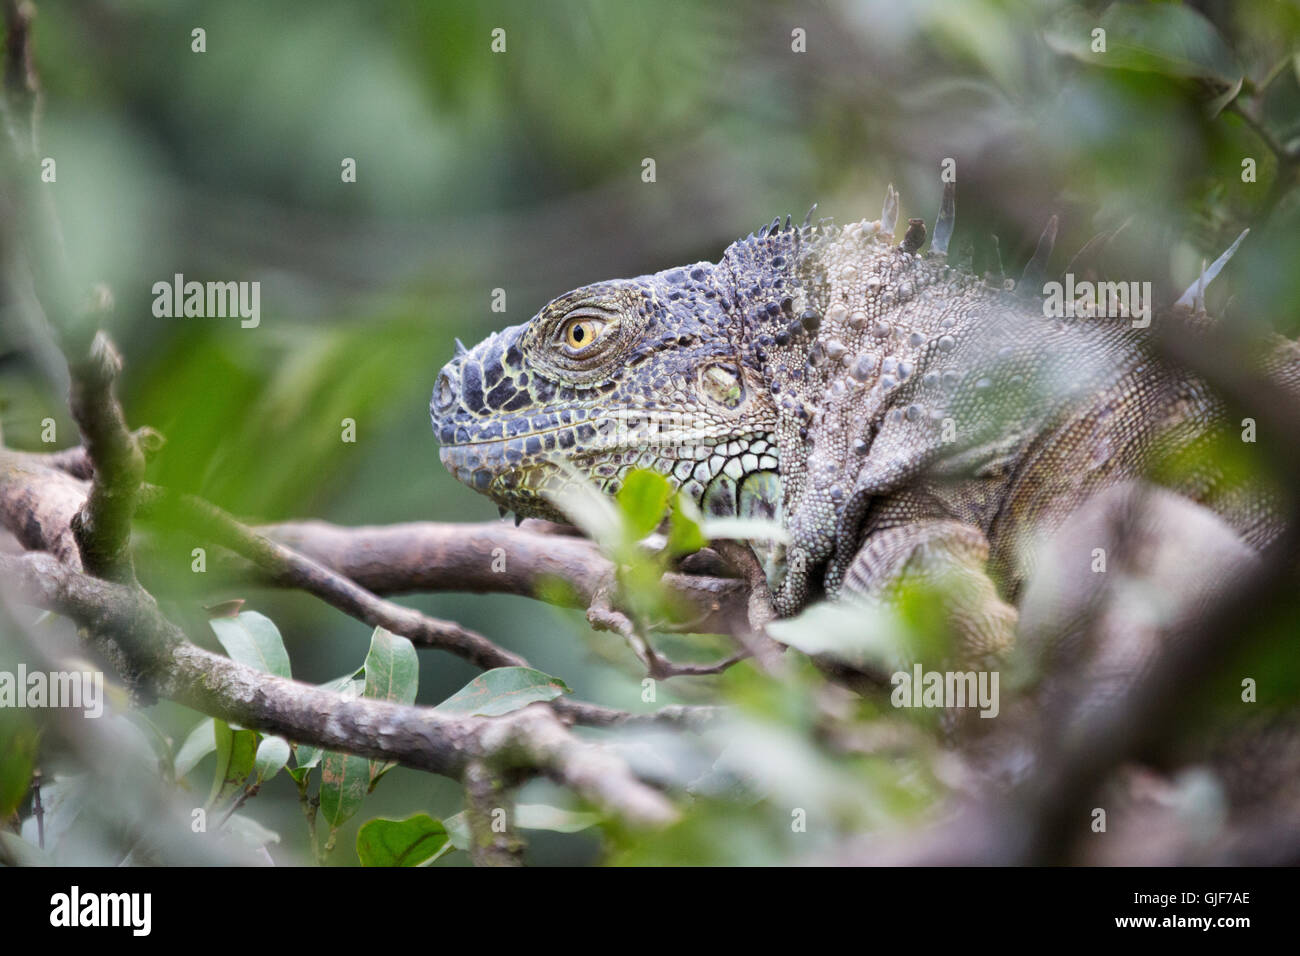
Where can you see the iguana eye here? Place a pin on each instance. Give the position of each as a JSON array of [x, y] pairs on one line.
[[580, 332]]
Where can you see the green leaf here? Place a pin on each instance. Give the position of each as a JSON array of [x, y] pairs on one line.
[[406, 842], [201, 742], [643, 500], [272, 755], [1164, 38], [392, 673], [392, 668], [684, 534], [306, 757], [344, 781], [502, 690], [236, 754], [18, 745], [252, 639]]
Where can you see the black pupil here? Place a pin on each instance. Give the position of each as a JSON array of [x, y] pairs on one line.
[[579, 333]]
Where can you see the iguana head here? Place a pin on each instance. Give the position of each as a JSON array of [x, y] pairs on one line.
[[649, 372]]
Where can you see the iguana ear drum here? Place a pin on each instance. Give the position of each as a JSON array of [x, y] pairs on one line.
[[721, 383]]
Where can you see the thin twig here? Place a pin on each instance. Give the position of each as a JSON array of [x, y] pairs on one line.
[[38, 811]]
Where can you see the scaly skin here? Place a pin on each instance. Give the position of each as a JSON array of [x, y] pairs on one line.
[[895, 413]]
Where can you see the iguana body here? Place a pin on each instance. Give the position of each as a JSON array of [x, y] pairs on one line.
[[896, 413]]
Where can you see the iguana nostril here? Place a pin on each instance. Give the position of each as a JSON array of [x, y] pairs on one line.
[[444, 393]]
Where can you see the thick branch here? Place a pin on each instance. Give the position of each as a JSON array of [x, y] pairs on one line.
[[490, 557], [37, 504]]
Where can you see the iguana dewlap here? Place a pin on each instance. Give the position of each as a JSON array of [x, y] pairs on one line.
[[895, 413]]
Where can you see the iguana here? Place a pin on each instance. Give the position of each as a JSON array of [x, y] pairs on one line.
[[895, 413]]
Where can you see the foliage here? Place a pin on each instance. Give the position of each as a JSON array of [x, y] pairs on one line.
[[522, 171]]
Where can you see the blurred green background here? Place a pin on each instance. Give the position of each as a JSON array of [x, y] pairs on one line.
[[522, 171]]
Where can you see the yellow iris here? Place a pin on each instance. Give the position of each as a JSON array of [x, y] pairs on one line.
[[580, 333]]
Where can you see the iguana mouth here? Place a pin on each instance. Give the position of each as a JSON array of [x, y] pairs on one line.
[[498, 440]]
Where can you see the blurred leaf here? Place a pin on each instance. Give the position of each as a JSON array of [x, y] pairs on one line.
[[684, 534], [272, 755], [1238, 465], [594, 513], [18, 747], [1217, 105], [408, 842], [22, 852], [712, 834], [229, 608], [642, 501], [458, 830], [527, 816], [1279, 103], [855, 634], [64, 799], [251, 833], [201, 741], [745, 529], [1164, 38], [252, 639], [135, 744], [543, 816], [502, 690], [160, 745], [236, 754]]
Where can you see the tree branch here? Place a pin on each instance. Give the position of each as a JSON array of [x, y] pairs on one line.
[[487, 558], [38, 501], [285, 567], [486, 796], [532, 739], [102, 527]]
